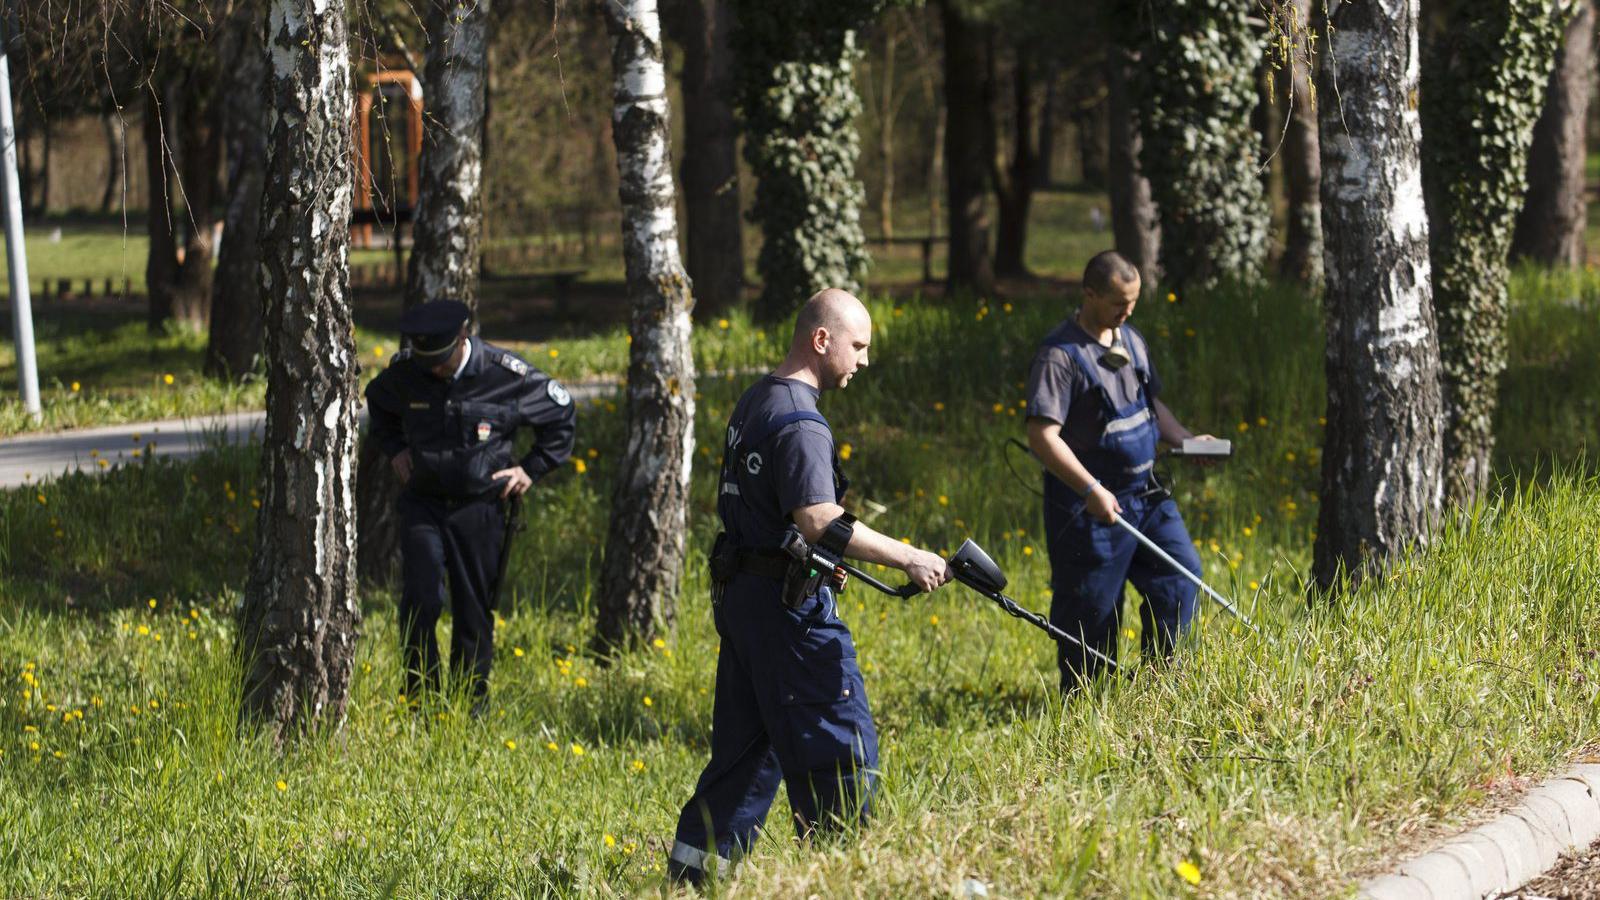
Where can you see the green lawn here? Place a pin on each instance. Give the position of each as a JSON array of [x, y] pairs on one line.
[[1279, 769]]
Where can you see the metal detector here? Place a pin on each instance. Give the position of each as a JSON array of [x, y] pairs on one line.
[[970, 565], [1150, 545]]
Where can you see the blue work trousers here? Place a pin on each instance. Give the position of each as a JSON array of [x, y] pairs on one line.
[[1090, 561], [790, 706]]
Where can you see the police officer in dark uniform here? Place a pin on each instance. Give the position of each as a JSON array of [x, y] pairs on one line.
[[1094, 419], [445, 413], [790, 704]]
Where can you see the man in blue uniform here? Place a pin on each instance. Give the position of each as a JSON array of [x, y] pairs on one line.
[[790, 705], [445, 413], [1094, 419]]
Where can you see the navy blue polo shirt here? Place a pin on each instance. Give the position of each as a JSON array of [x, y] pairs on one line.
[[791, 468]]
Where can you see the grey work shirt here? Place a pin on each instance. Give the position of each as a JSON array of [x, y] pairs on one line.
[[795, 466], [1059, 392]]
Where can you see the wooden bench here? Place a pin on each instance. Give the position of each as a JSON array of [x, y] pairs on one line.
[[559, 282], [926, 241]]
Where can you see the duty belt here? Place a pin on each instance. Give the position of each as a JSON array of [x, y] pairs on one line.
[[772, 564]]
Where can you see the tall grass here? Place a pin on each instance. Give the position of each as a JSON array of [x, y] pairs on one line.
[[1279, 768]]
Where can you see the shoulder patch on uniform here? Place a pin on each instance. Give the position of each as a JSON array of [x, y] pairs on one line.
[[405, 353], [514, 364], [558, 394]]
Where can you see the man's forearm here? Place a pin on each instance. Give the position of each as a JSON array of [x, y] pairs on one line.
[[865, 544], [1167, 424], [1058, 458]]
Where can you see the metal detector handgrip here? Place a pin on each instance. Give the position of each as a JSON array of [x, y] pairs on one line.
[[800, 549]]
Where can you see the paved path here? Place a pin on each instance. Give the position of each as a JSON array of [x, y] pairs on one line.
[[32, 458]]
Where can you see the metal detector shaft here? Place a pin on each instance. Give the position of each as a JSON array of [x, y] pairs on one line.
[[1027, 615], [905, 590], [1182, 570]]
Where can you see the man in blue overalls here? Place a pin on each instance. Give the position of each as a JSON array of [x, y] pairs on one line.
[[790, 704], [1094, 419]]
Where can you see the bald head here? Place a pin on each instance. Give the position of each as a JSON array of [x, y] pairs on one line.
[[830, 308], [831, 335]]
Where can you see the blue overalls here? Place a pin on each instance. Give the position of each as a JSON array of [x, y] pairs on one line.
[[790, 703], [1090, 560]]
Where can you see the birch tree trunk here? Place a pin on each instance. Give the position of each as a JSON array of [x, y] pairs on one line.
[[1382, 454], [446, 232], [1483, 87], [1302, 166], [448, 220], [1556, 210], [649, 504], [234, 347], [1135, 227], [297, 628]]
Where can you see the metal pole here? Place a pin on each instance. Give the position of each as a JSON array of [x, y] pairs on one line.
[[1182, 570], [16, 253]]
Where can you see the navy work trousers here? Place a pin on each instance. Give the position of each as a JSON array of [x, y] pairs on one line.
[[458, 543], [790, 705], [1090, 561]]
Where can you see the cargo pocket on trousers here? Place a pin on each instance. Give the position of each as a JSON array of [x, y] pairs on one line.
[[825, 705]]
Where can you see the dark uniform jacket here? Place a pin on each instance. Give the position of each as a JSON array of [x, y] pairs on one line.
[[461, 431]]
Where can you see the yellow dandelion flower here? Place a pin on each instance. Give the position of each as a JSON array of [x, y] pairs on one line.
[[845, 450], [76, 387], [1027, 551], [378, 350], [723, 324], [658, 643], [1248, 531], [282, 785], [580, 466], [593, 453], [943, 500], [611, 841], [167, 378], [1188, 871], [1262, 421], [516, 651], [1255, 585], [34, 746], [649, 702], [555, 353], [581, 681], [42, 500], [1006, 307], [999, 407], [1289, 455], [938, 406], [577, 749], [511, 745], [151, 603], [144, 630], [1243, 427], [1188, 332], [551, 745]]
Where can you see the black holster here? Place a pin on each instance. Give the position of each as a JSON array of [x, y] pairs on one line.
[[724, 564]]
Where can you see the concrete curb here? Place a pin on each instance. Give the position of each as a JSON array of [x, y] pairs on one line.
[[1507, 852]]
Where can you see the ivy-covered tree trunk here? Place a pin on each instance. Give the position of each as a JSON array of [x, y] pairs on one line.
[[650, 501], [795, 64], [297, 626], [1381, 460], [1483, 86], [967, 143], [1555, 211], [1197, 91], [1302, 162], [711, 169], [1135, 227], [234, 346]]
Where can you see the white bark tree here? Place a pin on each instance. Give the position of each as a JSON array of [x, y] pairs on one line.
[[297, 628], [1382, 464], [649, 505]]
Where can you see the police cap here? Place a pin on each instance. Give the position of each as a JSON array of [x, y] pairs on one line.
[[432, 327]]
